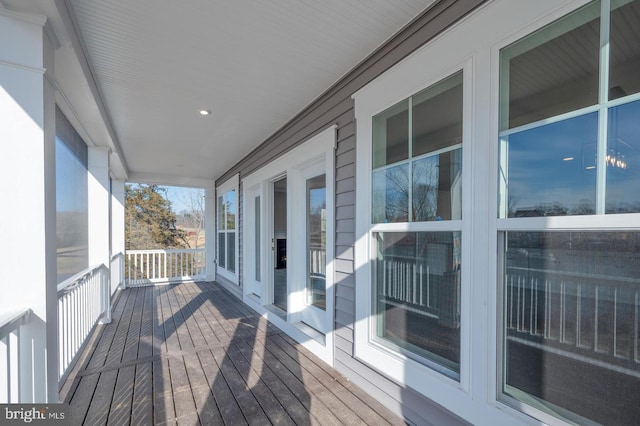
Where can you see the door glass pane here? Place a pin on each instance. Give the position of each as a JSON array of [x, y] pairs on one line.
[[280, 243], [316, 241], [551, 170], [624, 45], [221, 209], [221, 249], [552, 71], [623, 160], [231, 251], [230, 198], [417, 295], [571, 338], [257, 251]]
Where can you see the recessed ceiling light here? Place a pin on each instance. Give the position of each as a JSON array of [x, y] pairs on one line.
[[568, 159], [590, 167], [205, 111]]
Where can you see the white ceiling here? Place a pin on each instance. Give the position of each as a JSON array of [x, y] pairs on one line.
[[253, 63]]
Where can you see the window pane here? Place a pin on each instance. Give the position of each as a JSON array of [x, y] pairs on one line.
[[257, 242], [391, 135], [552, 170], [231, 209], [221, 249], [231, 251], [390, 198], [552, 71], [72, 212], [437, 116], [623, 159], [221, 209], [417, 291], [437, 187], [316, 241], [571, 303], [624, 62]]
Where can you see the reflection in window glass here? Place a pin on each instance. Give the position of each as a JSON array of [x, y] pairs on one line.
[[391, 135], [230, 207], [552, 71], [231, 251], [221, 249], [72, 202], [390, 201], [552, 169], [221, 209], [437, 187], [226, 231], [425, 181], [623, 159], [571, 304], [437, 116], [316, 241], [417, 295], [624, 65]]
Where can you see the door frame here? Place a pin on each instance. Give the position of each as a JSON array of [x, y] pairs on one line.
[[320, 147], [308, 314]]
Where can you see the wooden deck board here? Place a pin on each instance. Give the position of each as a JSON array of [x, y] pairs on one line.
[[192, 353]]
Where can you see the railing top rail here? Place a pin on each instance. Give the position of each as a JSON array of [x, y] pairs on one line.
[[155, 251], [577, 275], [70, 282], [11, 321]]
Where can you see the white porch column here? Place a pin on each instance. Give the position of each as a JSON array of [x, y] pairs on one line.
[[117, 234], [210, 230], [99, 211], [98, 187], [28, 193]]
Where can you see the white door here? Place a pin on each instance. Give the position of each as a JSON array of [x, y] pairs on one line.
[[312, 236], [315, 291], [288, 235]]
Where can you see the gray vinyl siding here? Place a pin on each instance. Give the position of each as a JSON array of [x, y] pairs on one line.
[[336, 106]]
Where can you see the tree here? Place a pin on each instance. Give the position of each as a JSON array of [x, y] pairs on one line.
[[192, 218], [149, 220]]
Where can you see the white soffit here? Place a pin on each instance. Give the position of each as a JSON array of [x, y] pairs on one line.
[[254, 64]]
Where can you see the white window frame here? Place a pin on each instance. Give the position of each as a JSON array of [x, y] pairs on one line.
[[369, 102], [232, 184], [472, 44], [598, 221]]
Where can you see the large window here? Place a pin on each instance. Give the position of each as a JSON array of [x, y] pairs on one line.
[[227, 210], [569, 136], [416, 180], [72, 200], [570, 146]]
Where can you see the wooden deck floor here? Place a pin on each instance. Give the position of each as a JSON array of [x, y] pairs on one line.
[[194, 354]]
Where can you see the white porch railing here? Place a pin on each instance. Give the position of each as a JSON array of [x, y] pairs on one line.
[[317, 260], [144, 267], [10, 327], [417, 287], [117, 271], [83, 300], [588, 316]]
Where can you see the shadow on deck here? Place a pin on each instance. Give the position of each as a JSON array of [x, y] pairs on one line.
[[194, 354]]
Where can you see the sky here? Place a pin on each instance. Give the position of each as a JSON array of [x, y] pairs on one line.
[[180, 197]]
